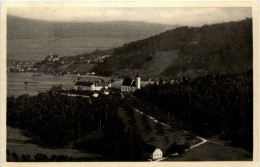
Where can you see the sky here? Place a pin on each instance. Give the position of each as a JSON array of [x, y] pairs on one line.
[[194, 16]]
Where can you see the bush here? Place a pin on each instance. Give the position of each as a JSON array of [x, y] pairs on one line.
[[144, 118], [166, 139], [53, 158], [15, 157], [147, 127], [25, 158], [41, 158], [90, 142], [130, 112], [159, 128], [62, 158], [132, 121], [8, 155], [186, 145], [174, 148]]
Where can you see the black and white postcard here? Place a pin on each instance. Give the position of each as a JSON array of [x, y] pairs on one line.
[[162, 83]]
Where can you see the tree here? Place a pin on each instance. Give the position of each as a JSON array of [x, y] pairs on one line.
[[159, 128]]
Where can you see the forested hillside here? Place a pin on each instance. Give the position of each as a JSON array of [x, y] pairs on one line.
[[92, 125], [210, 49], [210, 105]]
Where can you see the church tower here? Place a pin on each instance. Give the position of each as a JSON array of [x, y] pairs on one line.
[[51, 56], [138, 81]]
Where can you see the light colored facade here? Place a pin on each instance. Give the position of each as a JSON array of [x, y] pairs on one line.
[[128, 88], [157, 153], [95, 95], [90, 86]]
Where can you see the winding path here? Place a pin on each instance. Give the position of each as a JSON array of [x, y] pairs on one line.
[[191, 147]]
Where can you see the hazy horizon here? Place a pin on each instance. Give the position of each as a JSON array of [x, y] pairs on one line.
[[35, 32], [168, 16]]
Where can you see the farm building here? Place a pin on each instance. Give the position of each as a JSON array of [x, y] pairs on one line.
[[131, 84], [157, 153]]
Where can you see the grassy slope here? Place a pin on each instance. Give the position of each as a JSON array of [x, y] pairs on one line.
[[206, 152], [160, 62], [81, 68], [162, 141], [212, 152]]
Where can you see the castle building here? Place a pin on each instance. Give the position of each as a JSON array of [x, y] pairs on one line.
[[131, 84]]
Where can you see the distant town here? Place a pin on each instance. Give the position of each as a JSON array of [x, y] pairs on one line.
[[21, 66]]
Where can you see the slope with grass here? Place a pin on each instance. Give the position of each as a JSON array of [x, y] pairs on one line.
[[161, 61], [213, 152], [154, 133]]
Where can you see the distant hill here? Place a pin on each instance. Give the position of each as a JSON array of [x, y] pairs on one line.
[[34, 39], [185, 51]]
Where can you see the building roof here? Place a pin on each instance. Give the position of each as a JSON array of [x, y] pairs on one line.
[[157, 151], [78, 83], [99, 83], [89, 83], [55, 56], [128, 82]]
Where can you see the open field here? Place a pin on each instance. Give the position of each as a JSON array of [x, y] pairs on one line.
[[20, 144], [16, 87], [213, 152]]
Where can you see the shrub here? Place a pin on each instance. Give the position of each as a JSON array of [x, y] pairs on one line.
[[174, 148], [25, 158], [159, 128], [53, 158], [15, 157], [40, 157]]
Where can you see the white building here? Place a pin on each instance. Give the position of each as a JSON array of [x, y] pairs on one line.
[[105, 92], [91, 86], [95, 94], [131, 84], [157, 153]]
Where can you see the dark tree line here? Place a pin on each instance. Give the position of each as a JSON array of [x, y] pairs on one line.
[[92, 124], [58, 119], [13, 157], [211, 105]]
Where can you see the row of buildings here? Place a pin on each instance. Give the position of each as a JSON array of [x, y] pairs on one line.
[[128, 85], [92, 85]]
